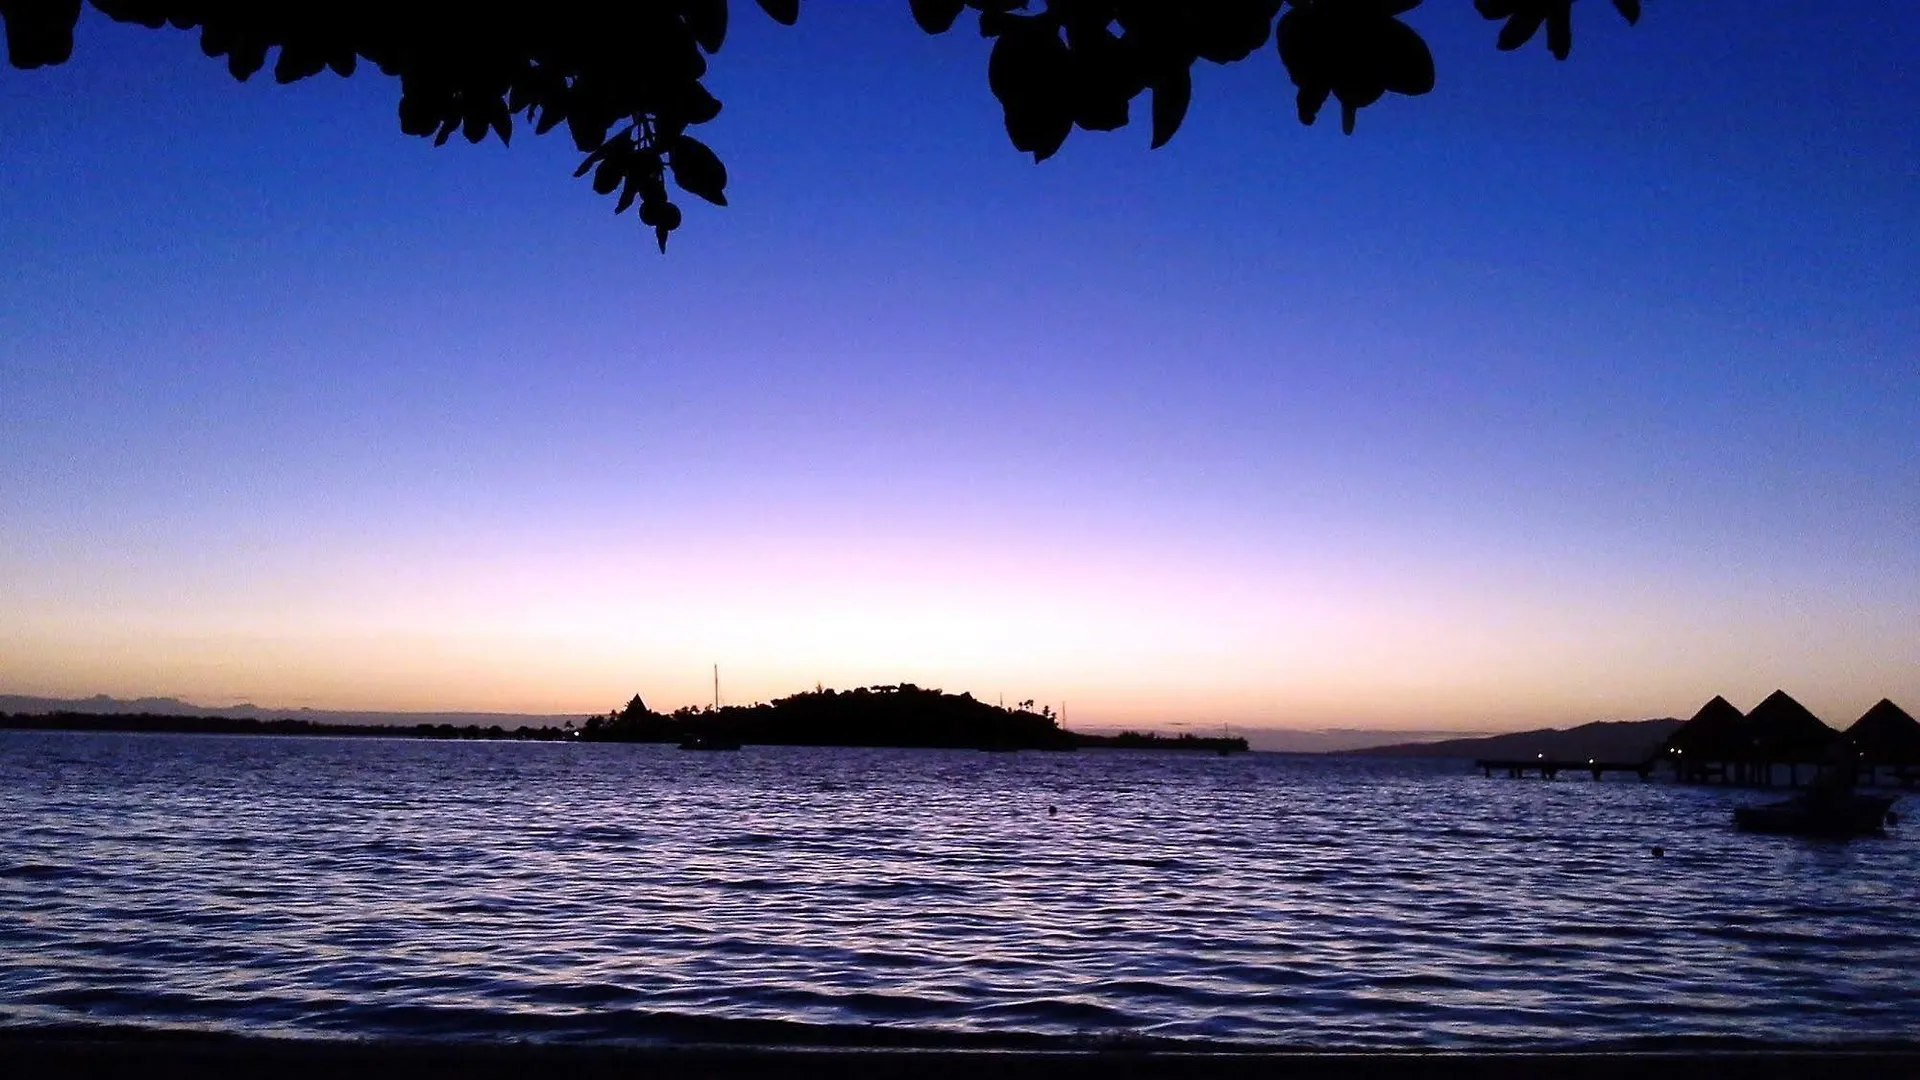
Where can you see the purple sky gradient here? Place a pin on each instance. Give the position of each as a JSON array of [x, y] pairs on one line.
[[1570, 391]]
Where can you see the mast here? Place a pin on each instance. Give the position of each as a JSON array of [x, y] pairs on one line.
[[716, 688]]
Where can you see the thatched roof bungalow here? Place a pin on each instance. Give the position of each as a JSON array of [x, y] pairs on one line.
[[1782, 729], [1715, 733], [1721, 744], [1886, 735]]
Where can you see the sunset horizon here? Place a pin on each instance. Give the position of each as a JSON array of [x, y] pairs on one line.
[[1089, 717], [1065, 539], [1183, 434]]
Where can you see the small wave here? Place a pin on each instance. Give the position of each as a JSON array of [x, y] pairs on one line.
[[46, 872], [118, 1000], [905, 890], [606, 834], [1061, 1012], [593, 994]]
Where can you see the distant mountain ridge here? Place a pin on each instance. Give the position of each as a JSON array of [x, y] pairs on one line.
[[1604, 740], [166, 706], [1341, 740]]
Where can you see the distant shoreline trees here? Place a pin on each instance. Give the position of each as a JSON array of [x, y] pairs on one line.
[[245, 725]]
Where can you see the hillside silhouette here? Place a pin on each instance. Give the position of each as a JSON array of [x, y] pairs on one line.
[[1606, 740], [161, 707]]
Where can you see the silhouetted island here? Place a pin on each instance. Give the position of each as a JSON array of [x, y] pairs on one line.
[[904, 716], [894, 716]]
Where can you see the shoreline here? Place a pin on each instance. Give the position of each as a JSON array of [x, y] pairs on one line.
[[31, 1053], [292, 728]]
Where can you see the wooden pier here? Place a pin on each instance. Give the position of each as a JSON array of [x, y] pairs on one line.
[[1548, 768]]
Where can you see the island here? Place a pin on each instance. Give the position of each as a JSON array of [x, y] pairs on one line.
[[902, 715]]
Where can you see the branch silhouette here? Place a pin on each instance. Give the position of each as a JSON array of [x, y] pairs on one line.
[[626, 78]]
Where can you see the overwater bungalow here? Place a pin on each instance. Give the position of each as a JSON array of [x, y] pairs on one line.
[[1702, 747], [1721, 745], [1785, 732], [1885, 737]]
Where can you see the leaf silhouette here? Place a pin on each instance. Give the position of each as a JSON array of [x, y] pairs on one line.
[[246, 58], [40, 33], [784, 12], [1170, 99], [297, 62], [1520, 29], [1560, 29], [1405, 61], [1525, 17], [1229, 31], [937, 16], [607, 177], [708, 21], [1027, 72], [698, 169]]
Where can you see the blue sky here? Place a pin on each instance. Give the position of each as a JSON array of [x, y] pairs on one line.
[[1571, 390]]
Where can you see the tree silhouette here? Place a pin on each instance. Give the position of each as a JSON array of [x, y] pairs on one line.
[[625, 78]]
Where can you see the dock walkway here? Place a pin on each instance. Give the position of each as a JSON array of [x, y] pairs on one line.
[[1548, 768]]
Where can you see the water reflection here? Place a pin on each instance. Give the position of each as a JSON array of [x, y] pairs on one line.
[[636, 892]]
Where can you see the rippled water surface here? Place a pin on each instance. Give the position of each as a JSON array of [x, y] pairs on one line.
[[381, 887]]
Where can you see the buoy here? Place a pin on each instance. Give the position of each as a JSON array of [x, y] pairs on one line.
[[1051, 811], [1658, 851]]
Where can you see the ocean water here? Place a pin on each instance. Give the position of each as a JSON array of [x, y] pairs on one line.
[[394, 888]]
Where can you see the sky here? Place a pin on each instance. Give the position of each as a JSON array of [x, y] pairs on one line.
[[1571, 391]]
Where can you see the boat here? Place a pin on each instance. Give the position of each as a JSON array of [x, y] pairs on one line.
[[709, 742], [1819, 813]]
